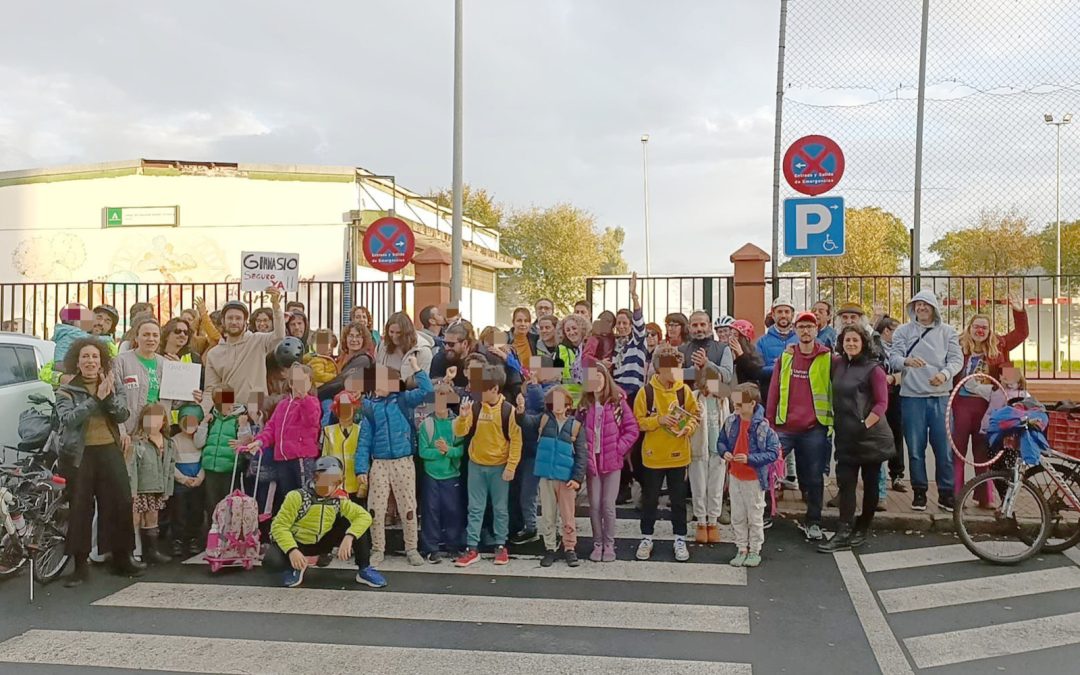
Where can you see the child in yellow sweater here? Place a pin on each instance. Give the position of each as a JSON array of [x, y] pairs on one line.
[[322, 361]]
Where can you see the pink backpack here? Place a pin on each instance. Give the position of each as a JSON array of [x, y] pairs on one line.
[[234, 539]]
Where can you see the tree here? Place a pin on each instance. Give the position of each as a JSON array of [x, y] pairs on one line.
[[558, 247], [611, 245], [477, 204], [995, 245], [1070, 248], [876, 243]]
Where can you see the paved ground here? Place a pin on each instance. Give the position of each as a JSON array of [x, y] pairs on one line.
[[800, 612]]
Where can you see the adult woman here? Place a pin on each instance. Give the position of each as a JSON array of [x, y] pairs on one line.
[[678, 328], [262, 320], [863, 440], [296, 325], [521, 338], [175, 341], [363, 315], [748, 362], [573, 328], [547, 328], [400, 340], [91, 406], [356, 357], [984, 352], [140, 372]]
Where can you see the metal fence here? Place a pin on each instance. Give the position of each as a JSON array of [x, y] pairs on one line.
[[661, 296], [34, 308]]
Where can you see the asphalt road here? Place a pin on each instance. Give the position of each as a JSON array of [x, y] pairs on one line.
[[801, 612]]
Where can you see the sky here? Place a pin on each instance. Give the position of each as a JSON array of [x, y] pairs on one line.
[[557, 95]]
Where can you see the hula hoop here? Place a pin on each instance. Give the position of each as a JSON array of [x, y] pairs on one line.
[[948, 423]]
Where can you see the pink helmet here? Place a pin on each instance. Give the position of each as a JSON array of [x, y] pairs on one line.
[[744, 327]]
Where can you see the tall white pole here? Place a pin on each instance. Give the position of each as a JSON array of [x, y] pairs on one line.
[[916, 245], [1057, 277], [645, 170], [456, 271], [779, 123]]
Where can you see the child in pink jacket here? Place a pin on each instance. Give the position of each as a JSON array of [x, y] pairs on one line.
[[292, 432], [610, 431]]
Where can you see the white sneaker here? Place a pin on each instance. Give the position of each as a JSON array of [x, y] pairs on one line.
[[414, 558], [644, 549], [814, 533], [376, 558], [682, 554]]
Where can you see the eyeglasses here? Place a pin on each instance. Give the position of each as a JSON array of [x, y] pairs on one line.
[[451, 345], [672, 323], [652, 334], [180, 331]]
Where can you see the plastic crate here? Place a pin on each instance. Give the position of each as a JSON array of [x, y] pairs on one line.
[[1064, 432]]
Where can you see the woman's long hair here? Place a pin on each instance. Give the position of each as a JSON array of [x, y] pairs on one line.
[[610, 392], [168, 329], [344, 355], [864, 337], [407, 339], [970, 345]]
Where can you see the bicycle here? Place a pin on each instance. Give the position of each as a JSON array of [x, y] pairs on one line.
[[32, 524]]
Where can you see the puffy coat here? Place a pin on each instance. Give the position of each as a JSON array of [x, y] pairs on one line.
[[293, 430], [764, 443], [386, 430], [770, 346], [75, 405], [213, 436], [423, 350], [65, 335], [618, 433], [561, 453], [323, 368]]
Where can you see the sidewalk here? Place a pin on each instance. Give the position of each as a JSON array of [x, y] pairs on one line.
[[898, 514]]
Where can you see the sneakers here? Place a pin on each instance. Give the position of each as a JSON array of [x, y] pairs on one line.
[[467, 558], [947, 502], [377, 558], [725, 515], [841, 541], [752, 560], [597, 553], [609, 554], [702, 534], [832, 503], [766, 522], [524, 537], [414, 558], [880, 506], [433, 558], [324, 560], [502, 556], [369, 576], [549, 558], [918, 502], [858, 536], [714, 533], [898, 485], [571, 558], [292, 578], [682, 554], [644, 550], [813, 532], [739, 560], [790, 483]]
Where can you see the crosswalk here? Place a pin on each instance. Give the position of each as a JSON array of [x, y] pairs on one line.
[[432, 619], [978, 619]]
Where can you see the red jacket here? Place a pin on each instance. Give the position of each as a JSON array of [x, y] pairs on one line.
[[293, 430], [1006, 343]]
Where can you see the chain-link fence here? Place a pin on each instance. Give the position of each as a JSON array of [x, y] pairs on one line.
[[994, 68]]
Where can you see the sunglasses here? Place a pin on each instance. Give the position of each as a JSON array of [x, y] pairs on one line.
[[451, 345], [180, 331]]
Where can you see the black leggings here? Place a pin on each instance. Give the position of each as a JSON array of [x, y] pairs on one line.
[[650, 498], [847, 478], [102, 477], [276, 560]]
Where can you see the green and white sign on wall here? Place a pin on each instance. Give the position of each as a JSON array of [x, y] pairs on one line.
[[141, 216]]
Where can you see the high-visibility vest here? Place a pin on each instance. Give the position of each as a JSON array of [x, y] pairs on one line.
[[820, 387]]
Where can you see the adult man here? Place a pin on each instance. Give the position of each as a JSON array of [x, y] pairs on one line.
[[928, 353], [826, 334], [776, 338], [240, 359], [852, 314], [543, 307], [703, 348], [583, 308], [800, 409], [457, 349], [432, 323]]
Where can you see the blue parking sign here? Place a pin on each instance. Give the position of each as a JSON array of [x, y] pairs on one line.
[[814, 226]]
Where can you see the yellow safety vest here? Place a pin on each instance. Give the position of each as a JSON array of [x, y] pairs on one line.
[[820, 387]]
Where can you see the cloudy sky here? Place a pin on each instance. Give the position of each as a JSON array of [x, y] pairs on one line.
[[557, 93]]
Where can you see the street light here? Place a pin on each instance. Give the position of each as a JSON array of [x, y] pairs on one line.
[[645, 164], [1065, 119]]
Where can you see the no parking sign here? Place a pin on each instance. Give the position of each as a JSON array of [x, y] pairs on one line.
[[813, 165], [389, 244]]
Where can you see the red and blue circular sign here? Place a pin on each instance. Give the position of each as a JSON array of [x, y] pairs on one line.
[[813, 165], [389, 244]]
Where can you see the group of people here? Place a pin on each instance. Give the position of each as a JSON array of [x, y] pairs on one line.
[[484, 440]]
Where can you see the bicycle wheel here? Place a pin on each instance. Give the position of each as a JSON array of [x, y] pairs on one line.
[[11, 557], [992, 534], [49, 556], [1064, 531]]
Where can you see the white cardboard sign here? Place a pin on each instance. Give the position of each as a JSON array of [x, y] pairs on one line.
[[259, 271]]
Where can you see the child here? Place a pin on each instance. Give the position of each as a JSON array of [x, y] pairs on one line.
[[749, 445], [560, 464], [494, 442], [443, 515], [186, 506], [224, 422], [312, 520], [610, 431], [150, 465], [339, 440], [75, 323], [600, 346], [666, 411], [385, 450], [1015, 387], [707, 467], [322, 362]]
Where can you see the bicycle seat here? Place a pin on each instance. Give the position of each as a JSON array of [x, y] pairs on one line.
[[38, 399]]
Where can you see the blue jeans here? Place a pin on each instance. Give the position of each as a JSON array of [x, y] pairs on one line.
[[443, 514], [528, 486], [486, 483], [924, 419], [812, 449]]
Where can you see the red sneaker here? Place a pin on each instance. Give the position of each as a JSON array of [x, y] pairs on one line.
[[502, 557], [467, 558]]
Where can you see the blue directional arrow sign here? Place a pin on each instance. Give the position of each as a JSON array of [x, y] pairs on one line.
[[814, 227]]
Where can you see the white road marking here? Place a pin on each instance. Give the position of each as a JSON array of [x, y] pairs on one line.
[[979, 589], [987, 642], [919, 557], [890, 657]]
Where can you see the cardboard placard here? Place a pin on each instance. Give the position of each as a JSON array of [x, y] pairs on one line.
[[259, 271]]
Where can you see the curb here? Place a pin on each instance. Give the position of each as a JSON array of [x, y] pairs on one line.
[[916, 522]]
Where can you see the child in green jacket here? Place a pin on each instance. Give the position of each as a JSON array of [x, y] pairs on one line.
[[443, 504]]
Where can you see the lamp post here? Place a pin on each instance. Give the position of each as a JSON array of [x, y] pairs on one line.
[[645, 165], [457, 185], [1065, 119]]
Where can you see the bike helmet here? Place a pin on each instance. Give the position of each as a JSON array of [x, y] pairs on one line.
[[723, 321], [113, 314], [235, 304], [289, 351], [745, 328], [329, 465]]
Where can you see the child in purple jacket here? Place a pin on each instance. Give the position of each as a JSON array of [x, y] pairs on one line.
[[610, 432]]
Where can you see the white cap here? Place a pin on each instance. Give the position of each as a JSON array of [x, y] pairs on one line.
[[783, 302]]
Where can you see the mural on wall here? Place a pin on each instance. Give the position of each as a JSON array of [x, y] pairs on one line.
[[50, 257]]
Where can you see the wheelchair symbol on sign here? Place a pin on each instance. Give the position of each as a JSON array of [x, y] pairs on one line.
[[828, 244]]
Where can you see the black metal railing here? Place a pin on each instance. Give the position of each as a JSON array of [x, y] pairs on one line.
[[661, 296]]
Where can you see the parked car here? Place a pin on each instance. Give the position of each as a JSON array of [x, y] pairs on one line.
[[21, 357]]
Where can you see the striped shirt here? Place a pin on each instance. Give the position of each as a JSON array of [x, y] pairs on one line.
[[628, 366]]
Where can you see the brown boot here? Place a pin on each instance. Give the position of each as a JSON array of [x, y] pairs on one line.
[[714, 533], [702, 536]]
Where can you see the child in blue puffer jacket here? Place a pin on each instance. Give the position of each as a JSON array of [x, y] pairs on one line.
[[385, 451]]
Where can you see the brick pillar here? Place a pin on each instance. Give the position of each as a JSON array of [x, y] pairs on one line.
[[750, 285], [432, 285]]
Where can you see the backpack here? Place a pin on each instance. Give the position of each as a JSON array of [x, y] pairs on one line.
[[236, 519], [506, 411], [650, 398]]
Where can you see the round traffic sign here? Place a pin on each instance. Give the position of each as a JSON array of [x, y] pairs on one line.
[[389, 244], [813, 165]]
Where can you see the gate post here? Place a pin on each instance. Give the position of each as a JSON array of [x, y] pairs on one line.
[[431, 284], [749, 283]]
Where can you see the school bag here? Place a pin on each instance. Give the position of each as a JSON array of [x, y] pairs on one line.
[[234, 539], [506, 411]]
